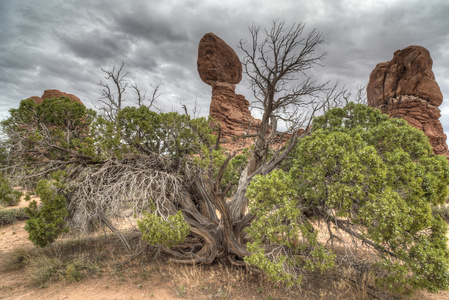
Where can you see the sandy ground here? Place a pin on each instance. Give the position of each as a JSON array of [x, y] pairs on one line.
[[105, 288], [13, 284]]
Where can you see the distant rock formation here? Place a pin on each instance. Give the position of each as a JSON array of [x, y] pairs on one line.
[[54, 94], [220, 67], [405, 87]]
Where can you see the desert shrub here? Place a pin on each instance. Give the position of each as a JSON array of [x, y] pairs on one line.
[[10, 216], [15, 260], [8, 196], [47, 222], [372, 177], [140, 130], [70, 260], [42, 269], [166, 232], [55, 130], [442, 211], [80, 266]]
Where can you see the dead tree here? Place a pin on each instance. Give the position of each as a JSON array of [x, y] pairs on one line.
[[277, 66], [276, 62], [113, 98]]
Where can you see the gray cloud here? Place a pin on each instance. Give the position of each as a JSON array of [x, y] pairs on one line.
[[64, 44], [149, 25]]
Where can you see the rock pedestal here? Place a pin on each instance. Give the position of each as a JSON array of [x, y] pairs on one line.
[[405, 87], [220, 67]]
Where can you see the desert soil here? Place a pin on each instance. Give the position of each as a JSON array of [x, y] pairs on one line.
[[14, 284]]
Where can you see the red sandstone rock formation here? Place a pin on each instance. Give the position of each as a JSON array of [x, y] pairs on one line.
[[53, 94], [220, 67], [405, 87], [37, 100]]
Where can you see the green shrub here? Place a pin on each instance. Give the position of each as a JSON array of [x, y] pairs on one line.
[[64, 135], [157, 231], [48, 222], [72, 273], [170, 134], [373, 177], [10, 216], [8, 196]]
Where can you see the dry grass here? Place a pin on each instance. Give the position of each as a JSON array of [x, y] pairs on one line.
[[86, 258], [75, 258], [223, 281], [63, 260]]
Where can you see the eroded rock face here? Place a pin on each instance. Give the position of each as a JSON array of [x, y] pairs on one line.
[[37, 100], [54, 94], [405, 87], [220, 67], [232, 111]]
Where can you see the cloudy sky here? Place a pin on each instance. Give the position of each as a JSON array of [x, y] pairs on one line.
[[53, 44]]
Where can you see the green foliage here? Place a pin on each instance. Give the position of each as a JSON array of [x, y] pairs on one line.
[[279, 220], [48, 222], [140, 130], [234, 170], [8, 196], [72, 273], [56, 129], [162, 133], [3, 154], [165, 232], [80, 266], [373, 171], [62, 130]]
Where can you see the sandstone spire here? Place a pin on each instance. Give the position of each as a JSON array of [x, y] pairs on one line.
[[220, 67], [405, 87]]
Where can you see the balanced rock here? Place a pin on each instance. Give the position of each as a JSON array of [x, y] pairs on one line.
[[54, 94], [217, 62], [220, 67], [405, 87]]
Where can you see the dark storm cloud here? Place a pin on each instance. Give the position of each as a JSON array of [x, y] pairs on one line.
[[363, 34], [64, 44], [151, 27], [372, 35], [95, 45]]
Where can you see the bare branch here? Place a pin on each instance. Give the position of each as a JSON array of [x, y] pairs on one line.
[[113, 99]]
